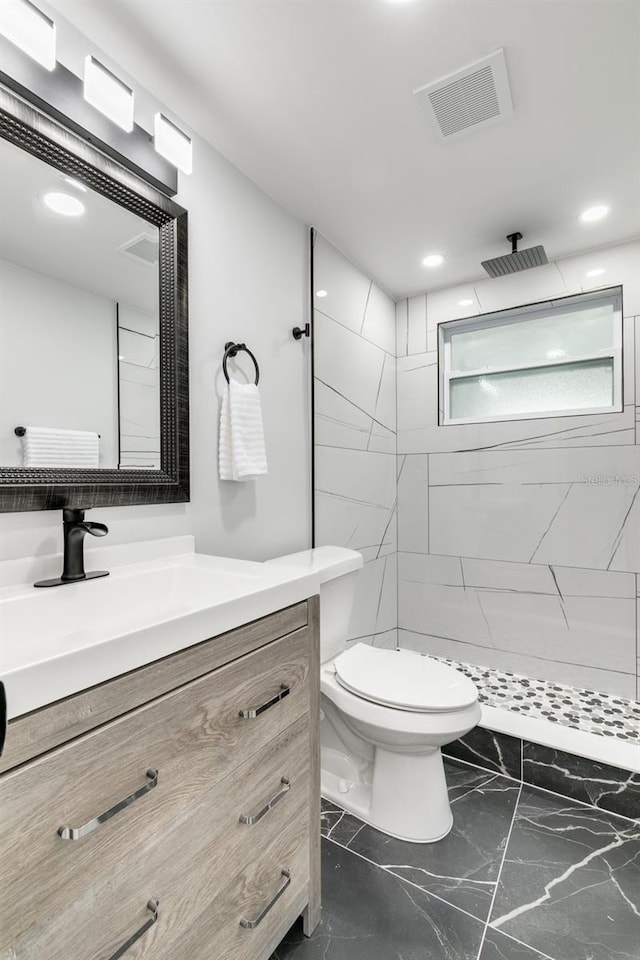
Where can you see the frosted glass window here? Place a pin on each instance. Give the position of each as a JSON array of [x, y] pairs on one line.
[[557, 358], [578, 386], [545, 338]]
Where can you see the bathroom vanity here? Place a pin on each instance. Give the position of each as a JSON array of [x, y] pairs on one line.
[[171, 811]]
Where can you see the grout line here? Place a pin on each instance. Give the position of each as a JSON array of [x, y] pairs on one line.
[[470, 643], [496, 560], [495, 891], [401, 880], [361, 410], [582, 803], [384, 350], [553, 793], [382, 453], [476, 786], [347, 847], [539, 953], [476, 766], [364, 314]]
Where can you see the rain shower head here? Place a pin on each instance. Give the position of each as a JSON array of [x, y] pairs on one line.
[[517, 260]]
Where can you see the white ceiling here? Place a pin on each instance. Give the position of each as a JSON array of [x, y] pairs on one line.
[[82, 251], [312, 99]]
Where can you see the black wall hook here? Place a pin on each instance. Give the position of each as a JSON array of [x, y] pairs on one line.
[[300, 332]]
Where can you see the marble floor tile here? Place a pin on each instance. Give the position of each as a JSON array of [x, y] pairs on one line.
[[368, 914], [338, 825], [570, 883], [485, 748], [599, 784], [461, 779], [497, 946], [463, 867]]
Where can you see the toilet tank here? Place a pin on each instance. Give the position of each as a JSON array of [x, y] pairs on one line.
[[338, 569]]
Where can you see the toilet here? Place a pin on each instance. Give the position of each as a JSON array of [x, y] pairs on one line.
[[385, 714]]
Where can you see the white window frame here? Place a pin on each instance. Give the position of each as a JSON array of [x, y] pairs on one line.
[[612, 295]]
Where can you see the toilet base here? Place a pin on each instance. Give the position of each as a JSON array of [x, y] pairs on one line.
[[403, 795]]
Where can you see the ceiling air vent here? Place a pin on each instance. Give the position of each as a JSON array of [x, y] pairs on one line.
[[468, 99], [143, 249]]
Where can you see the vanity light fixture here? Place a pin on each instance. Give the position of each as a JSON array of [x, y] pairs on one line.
[[64, 204], [104, 91], [171, 143], [23, 24], [465, 303], [321, 293], [433, 260], [596, 272], [594, 213]]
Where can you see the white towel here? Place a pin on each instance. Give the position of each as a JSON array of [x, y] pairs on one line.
[[50, 447], [241, 445]]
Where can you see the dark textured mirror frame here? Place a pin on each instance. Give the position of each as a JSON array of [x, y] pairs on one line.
[[51, 489]]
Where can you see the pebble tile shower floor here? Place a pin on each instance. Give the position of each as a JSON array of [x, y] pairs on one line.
[[586, 710], [523, 875]]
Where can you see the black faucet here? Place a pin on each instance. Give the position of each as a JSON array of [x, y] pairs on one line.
[[75, 527]]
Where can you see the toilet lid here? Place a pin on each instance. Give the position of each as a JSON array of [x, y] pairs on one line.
[[403, 679]]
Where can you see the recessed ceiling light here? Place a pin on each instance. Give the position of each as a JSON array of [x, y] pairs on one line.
[[594, 213], [171, 143], [433, 260], [64, 204], [465, 303], [555, 354], [26, 26], [597, 272], [321, 293], [104, 91]]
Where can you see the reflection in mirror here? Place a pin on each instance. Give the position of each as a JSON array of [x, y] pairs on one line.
[[79, 328]]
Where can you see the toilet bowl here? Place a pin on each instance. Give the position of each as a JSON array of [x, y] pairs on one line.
[[385, 715]]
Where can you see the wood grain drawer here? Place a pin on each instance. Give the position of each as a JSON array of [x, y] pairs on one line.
[[35, 733], [251, 888], [195, 738], [187, 865]]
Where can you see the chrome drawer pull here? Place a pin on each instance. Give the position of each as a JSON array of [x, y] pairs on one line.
[[252, 924], [152, 905], [252, 714], [76, 833], [285, 787]]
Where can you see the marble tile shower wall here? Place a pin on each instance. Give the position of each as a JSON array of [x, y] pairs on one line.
[[139, 388], [519, 542], [355, 434]]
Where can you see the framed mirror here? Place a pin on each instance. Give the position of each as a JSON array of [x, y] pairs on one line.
[[94, 391]]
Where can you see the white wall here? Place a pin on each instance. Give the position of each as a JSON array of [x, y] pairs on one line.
[[59, 369], [248, 281], [519, 542]]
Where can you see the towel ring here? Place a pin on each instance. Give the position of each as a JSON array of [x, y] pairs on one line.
[[230, 350]]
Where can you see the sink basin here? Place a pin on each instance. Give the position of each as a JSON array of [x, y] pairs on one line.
[[64, 639]]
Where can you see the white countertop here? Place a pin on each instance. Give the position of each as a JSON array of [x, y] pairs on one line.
[[60, 640]]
